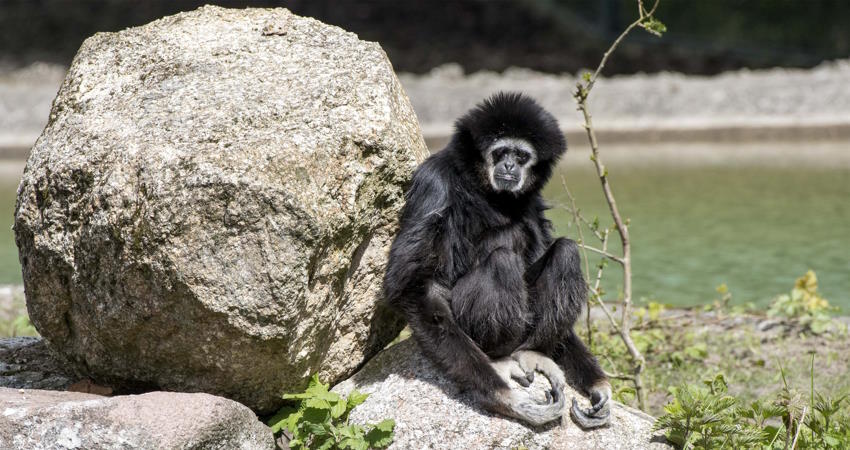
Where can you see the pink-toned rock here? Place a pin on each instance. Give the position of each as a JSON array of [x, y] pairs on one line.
[[36, 419]]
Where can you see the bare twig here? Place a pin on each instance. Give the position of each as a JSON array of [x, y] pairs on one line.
[[799, 427], [620, 225], [619, 376], [576, 220], [601, 267], [642, 15], [603, 253]]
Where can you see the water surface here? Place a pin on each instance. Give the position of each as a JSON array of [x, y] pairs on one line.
[[754, 217]]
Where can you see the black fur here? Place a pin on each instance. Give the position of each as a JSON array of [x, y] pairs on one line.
[[476, 271]]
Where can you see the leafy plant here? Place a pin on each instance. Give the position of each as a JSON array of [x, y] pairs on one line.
[[650, 313], [707, 417], [804, 305], [320, 421]]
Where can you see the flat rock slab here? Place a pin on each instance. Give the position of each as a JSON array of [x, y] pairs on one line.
[[36, 419], [27, 363], [430, 412]]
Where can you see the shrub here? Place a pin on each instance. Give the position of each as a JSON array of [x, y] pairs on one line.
[[804, 305], [320, 421]]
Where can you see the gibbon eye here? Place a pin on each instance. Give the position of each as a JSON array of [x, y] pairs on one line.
[[498, 154], [523, 157]]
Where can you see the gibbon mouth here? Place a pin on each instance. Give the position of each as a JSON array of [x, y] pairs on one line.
[[505, 177]]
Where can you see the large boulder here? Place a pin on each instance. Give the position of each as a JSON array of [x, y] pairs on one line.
[[210, 205], [34, 419], [430, 412]]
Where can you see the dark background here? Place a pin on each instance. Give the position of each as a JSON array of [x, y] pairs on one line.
[[705, 37]]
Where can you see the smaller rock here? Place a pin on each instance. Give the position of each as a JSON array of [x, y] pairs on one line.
[[36, 419], [430, 412], [767, 324], [27, 363]]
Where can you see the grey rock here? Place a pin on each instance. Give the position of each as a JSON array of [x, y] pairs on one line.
[[27, 363], [210, 205], [430, 412], [34, 419]]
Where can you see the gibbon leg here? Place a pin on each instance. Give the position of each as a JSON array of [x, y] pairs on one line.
[[557, 295]]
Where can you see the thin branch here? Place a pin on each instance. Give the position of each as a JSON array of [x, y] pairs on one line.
[[642, 15], [619, 376], [576, 220], [601, 267], [603, 253], [581, 96], [577, 213], [799, 427]]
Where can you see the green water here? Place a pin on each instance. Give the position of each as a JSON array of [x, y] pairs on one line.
[[693, 227], [10, 174]]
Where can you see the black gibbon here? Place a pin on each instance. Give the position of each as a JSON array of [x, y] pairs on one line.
[[485, 288]]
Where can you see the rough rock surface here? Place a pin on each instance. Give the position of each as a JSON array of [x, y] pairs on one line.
[[27, 363], [430, 412], [35, 419], [211, 202]]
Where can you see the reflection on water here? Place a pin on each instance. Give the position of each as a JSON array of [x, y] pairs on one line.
[[755, 218]]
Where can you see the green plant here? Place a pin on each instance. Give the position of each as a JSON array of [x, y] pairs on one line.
[[804, 305], [320, 421], [707, 417]]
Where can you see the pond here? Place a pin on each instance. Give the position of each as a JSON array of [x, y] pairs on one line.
[[754, 217]]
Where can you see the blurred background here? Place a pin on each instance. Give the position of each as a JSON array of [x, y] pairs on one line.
[[727, 140]]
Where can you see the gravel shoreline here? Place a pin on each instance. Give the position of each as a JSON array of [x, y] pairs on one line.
[[773, 97], [774, 104]]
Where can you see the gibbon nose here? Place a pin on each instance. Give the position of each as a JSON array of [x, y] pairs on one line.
[[509, 166]]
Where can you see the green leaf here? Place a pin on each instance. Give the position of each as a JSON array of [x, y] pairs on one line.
[[315, 415], [327, 444], [354, 444], [356, 398], [386, 425], [831, 441], [281, 418], [317, 403], [317, 429], [381, 435], [654, 26], [338, 409]]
